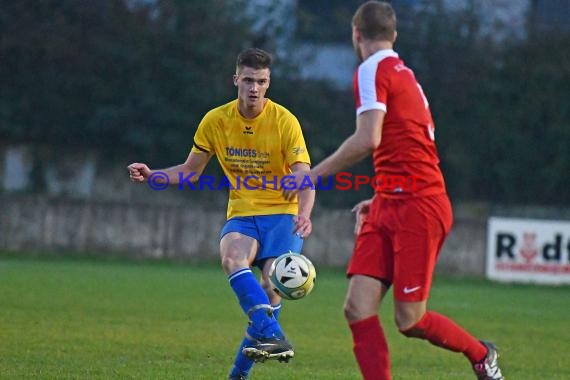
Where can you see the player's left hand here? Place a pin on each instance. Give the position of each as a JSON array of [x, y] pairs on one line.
[[361, 211], [295, 182], [303, 226]]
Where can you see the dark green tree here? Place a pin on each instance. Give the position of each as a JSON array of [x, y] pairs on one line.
[[115, 77]]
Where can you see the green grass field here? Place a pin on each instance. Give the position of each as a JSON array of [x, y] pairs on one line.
[[83, 319]]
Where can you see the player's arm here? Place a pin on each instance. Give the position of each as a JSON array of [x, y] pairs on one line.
[[306, 198], [359, 145], [191, 169]]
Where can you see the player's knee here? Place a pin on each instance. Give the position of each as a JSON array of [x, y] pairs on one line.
[[227, 263], [409, 326], [355, 312], [408, 315], [231, 263], [412, 332], [348, 313]]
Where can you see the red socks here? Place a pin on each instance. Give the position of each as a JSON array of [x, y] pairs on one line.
[[371, 349], [443, 332]]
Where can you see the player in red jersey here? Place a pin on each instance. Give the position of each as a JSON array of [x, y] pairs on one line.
[[401, 230]]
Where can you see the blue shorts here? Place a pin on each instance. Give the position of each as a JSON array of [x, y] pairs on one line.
[[274, 233]]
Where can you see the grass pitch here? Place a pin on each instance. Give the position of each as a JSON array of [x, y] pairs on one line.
[[81, 319]]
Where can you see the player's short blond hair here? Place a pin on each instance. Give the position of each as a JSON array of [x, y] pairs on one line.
[[375, 20]]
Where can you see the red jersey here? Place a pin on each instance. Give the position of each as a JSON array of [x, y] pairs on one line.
[[406, 161]]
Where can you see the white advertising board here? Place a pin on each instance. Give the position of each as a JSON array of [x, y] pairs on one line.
[[528, 250]]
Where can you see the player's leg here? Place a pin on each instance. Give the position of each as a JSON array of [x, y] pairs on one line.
[[418, 242], [242, 363], [238, 248], [276, 238], [370, 347], [274, 298], [238, 251], [414, 321], [370, 272], [233, 264]]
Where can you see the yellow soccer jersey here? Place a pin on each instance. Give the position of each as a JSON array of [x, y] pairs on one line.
[[255, 154]]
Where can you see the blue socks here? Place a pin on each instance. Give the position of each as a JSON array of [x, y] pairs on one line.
[[255, 304], [242, 364], [276, 310]]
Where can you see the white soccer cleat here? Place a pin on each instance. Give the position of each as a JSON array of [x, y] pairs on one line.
[[488, 369]]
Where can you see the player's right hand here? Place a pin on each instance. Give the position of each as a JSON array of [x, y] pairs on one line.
[[361, 210], [138, 172]]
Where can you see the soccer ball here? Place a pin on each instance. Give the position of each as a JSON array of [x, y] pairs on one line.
[[292, 276]]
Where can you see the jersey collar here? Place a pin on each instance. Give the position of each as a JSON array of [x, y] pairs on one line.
[[381, 54]]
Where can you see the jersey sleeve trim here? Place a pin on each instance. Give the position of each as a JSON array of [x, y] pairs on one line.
[[200, 148], [371, 106]]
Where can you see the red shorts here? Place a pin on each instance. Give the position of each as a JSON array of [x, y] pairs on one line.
[[399, 243]]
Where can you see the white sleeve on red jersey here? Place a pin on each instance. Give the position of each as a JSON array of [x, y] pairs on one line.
[[370, 94]]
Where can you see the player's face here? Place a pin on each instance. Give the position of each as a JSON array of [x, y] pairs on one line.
[[252, 85]]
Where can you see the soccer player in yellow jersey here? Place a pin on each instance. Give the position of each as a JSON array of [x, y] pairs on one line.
[[257, 142]]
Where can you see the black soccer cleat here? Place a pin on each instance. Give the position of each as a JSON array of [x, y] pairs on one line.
[[269, 348]]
